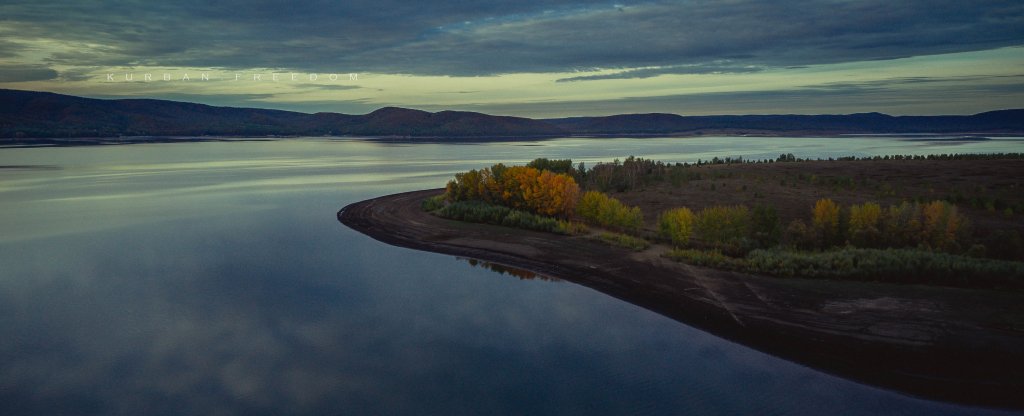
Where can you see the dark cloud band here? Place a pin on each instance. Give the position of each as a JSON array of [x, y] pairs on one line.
[[26, 73], [496, 37]]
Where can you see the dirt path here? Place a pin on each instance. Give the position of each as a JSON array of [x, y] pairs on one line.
[[940, 343]]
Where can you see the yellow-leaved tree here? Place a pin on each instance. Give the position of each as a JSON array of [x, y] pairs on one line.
[[825, 221], [677, 225]]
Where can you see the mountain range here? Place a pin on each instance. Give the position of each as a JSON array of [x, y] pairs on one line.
[[29, 114]]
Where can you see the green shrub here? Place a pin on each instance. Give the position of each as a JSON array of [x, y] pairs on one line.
[[624, 240], [571, 228], [886, 265], [889, 265], [676, 225], [475, 211], [433, 203], [706, 258]]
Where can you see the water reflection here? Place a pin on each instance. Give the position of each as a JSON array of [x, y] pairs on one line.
[[508, 270]]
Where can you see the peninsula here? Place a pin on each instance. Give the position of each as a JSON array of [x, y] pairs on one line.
[[941, 338]]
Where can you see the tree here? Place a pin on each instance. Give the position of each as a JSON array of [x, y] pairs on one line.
[[901, 224], [941, 226], [553, 165], [799, 235], [557, 194], [596, 207], [677, 225], [765, 227], [865, 220], [723, 225], [520, 187], [825, 221]]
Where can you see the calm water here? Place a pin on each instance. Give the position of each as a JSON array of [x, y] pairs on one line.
[[213, 278]]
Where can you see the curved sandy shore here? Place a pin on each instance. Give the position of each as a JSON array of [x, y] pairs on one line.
[[944, 344]]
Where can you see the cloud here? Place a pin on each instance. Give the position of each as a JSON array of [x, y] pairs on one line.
[[78, 74], [9, 49], [495, 37], [330, 87], [1003, 81], [710, 68], [26, 73], [896, 96]]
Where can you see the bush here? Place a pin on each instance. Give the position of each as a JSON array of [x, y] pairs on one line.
[[706, 258], [475, 211], [433, 203], [606, 211], [624, 240], [889, 265], [676, 225], [571, 228]]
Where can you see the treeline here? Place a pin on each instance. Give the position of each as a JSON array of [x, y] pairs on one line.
[[548, 187], [907, 243], [788, 157], [634, 172], [932, 226]]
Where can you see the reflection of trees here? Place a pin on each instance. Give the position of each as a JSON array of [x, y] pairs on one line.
[[507, 270]]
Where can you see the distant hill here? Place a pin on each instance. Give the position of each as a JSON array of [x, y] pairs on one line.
[[28, 114], [1002, 121]]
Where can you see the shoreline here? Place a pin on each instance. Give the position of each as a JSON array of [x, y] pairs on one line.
[[76, 141], [936, 343]]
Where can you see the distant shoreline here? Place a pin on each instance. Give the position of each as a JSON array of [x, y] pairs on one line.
[[128, 140], [33, 114], [923, 341]]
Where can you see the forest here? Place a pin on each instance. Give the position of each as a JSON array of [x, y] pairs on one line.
[[785, 217]]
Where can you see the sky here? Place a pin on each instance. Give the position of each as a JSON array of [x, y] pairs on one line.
[[533, 58]]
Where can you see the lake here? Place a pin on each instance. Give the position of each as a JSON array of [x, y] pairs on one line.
[[213, 278]]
